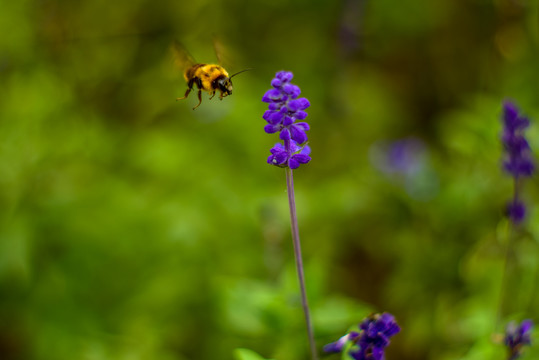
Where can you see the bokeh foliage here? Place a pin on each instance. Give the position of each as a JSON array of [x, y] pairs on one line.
[[132, 227]]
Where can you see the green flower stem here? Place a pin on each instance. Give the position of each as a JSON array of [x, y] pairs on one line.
[[506, 259], [299, 261]]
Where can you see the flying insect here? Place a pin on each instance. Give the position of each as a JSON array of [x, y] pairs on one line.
[[207, 77]]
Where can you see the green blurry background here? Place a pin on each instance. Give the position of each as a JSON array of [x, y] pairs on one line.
[[133, 227]]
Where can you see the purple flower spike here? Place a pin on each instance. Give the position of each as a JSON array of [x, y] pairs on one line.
[[284, 109], [518, 160], [372, 339], [516, 336]]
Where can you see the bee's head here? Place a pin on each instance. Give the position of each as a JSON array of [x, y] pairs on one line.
[[225, 85]]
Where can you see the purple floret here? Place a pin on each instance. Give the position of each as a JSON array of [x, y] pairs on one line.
[[516, 336], [372, 339]]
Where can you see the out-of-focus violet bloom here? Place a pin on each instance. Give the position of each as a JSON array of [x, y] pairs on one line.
[[404, 156], [516, 211], [284, 109], [405, 161], [518, 158], [516, 336], [371, 340]]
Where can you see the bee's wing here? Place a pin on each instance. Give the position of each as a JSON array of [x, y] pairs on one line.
[[182, 58], [222, 53]]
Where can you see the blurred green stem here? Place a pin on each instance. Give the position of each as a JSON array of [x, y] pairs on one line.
[[508, 250], [299, 261], [501, 302]]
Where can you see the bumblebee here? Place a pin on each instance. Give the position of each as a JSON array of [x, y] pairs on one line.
[[207, 77]]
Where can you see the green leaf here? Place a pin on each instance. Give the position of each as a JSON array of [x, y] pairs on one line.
[[246, 354]]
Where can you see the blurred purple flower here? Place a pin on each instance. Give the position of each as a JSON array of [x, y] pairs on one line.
[[516, 211], [405, 161], [516, 336], [405, 156], [518, 158], [284, 109], [371, 340]]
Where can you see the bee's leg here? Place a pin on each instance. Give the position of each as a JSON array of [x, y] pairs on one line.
[[212, 95], [199, 98], [189, 88], [186, 94]]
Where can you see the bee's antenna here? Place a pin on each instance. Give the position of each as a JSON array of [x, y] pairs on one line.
[[239, 72]]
